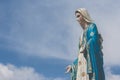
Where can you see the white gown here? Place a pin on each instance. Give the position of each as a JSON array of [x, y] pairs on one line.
[[82, 66]]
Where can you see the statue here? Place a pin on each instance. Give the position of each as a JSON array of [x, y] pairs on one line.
[[89, 63]]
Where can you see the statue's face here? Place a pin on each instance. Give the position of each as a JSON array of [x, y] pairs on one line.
[[79, 17]]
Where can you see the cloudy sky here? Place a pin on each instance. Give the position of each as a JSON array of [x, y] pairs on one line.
[[39, 38]]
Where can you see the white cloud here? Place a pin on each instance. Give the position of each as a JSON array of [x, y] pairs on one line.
[[11, 72], [5, 73], [110, 76]]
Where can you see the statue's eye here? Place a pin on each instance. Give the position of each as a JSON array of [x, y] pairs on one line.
[[78, 16]]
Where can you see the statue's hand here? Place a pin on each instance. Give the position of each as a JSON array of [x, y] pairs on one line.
[[68, 68]]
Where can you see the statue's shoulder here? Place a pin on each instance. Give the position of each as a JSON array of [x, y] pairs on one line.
[[92, 25]]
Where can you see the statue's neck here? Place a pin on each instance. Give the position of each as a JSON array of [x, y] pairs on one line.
[[85, 26]]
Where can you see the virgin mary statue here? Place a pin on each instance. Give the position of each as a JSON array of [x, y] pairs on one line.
[[89, 63]]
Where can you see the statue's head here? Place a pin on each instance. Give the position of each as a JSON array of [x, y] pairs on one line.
[[82, 16]]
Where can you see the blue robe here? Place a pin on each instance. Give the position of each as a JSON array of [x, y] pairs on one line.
[[93, 55]]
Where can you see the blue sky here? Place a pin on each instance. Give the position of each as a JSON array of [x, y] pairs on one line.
[[39, 38]]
